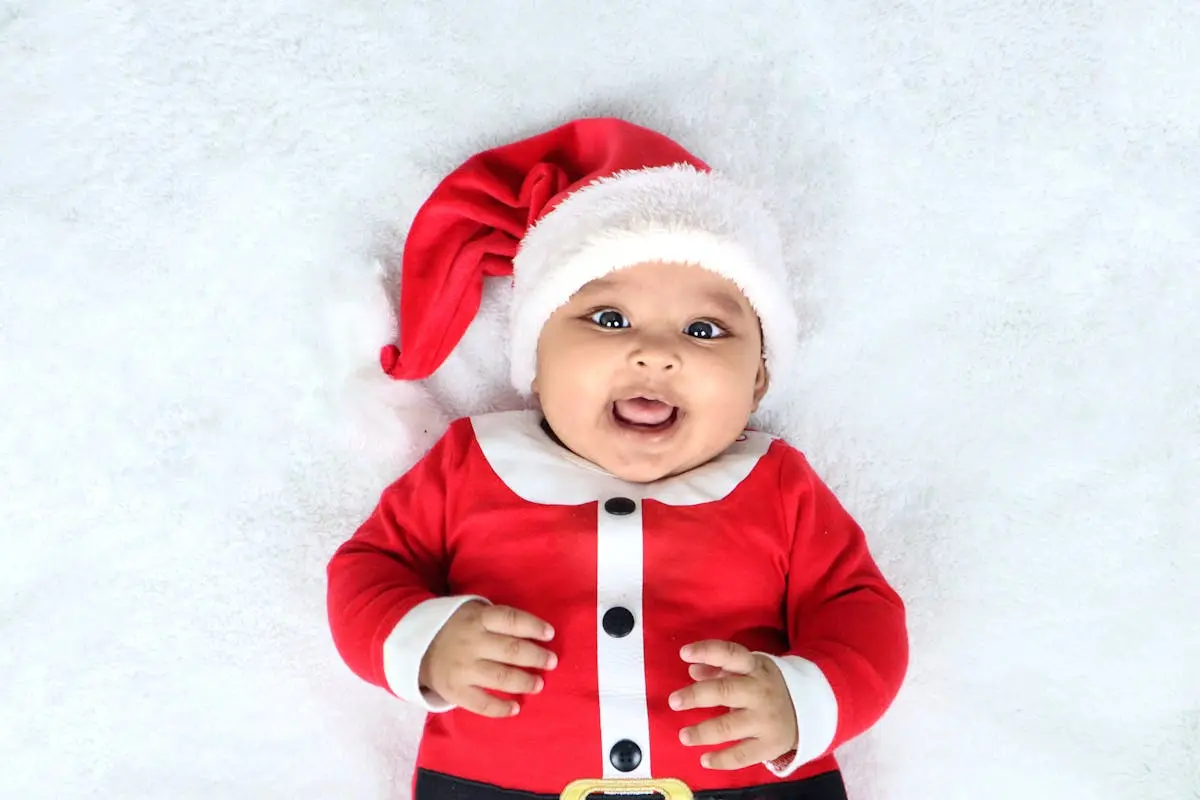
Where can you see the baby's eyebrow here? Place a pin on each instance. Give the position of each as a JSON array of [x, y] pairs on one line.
[[726, 304], [598, 285]]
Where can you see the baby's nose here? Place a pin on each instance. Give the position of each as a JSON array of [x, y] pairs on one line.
[[655, 355]]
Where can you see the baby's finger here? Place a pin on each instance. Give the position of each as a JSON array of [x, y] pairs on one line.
[[731, 727], [477, 701], [723, 655], [741, 755], [510, 621], [504, 678], [733, 692], [703, 672], [518, 652]]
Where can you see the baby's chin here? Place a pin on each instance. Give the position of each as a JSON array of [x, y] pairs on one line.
[[634, 473], [645, 468]]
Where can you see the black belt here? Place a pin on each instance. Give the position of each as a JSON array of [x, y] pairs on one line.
[[826, 786]]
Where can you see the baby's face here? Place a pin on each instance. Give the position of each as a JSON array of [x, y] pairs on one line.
[[651, 370]]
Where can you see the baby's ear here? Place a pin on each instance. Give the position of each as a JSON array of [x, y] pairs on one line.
[[762, 382]]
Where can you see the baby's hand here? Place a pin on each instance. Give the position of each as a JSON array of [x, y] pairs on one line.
[[483, 647], [761, 718]]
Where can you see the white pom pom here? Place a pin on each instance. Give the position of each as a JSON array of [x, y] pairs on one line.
[[388, 419]]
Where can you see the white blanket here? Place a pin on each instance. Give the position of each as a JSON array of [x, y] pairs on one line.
[[994, 216]]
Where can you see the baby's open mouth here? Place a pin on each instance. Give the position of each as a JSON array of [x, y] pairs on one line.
[[644, 413]]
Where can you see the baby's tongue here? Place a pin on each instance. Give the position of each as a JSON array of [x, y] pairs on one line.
[[641, 411]]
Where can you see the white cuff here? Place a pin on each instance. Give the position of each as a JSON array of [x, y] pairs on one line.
[[816, 712], [406, 645]]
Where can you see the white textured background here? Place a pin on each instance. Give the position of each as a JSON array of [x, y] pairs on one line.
[[995, 212]]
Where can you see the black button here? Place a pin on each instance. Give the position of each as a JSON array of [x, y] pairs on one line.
[[620, 506], [618, 622], [625, 755]]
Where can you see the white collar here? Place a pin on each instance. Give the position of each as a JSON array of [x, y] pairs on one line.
[[540, 471]]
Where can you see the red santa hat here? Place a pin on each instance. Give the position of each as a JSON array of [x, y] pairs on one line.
[[561, 209]]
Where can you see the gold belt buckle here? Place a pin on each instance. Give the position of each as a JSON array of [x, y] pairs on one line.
[[669, 788]]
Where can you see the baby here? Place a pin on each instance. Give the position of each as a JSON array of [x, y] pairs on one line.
[[624, 591]]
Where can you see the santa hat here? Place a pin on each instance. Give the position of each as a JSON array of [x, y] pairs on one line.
[[563, 208]]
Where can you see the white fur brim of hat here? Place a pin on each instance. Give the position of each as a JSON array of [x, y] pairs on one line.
[[673, 214]]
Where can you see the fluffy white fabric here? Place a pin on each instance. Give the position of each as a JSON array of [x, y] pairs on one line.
[[992, 212]]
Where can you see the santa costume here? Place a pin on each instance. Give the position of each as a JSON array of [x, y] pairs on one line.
[[750, 547]]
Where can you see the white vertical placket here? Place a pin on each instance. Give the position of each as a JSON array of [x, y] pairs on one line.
[[620, 662]]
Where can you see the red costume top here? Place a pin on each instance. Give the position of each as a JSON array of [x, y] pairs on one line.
[[751, 547]]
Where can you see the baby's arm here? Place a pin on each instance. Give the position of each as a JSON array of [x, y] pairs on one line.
[[387, 587], [848, 637]]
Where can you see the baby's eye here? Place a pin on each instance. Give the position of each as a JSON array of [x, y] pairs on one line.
[[704, 329], [609, 318]]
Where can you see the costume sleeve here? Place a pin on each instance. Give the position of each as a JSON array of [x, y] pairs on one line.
[[387, 585], [848, 636]]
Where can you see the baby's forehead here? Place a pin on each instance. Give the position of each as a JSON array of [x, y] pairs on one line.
[[662, 283]]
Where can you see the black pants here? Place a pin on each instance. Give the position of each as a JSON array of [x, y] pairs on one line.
[[827, 786]]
